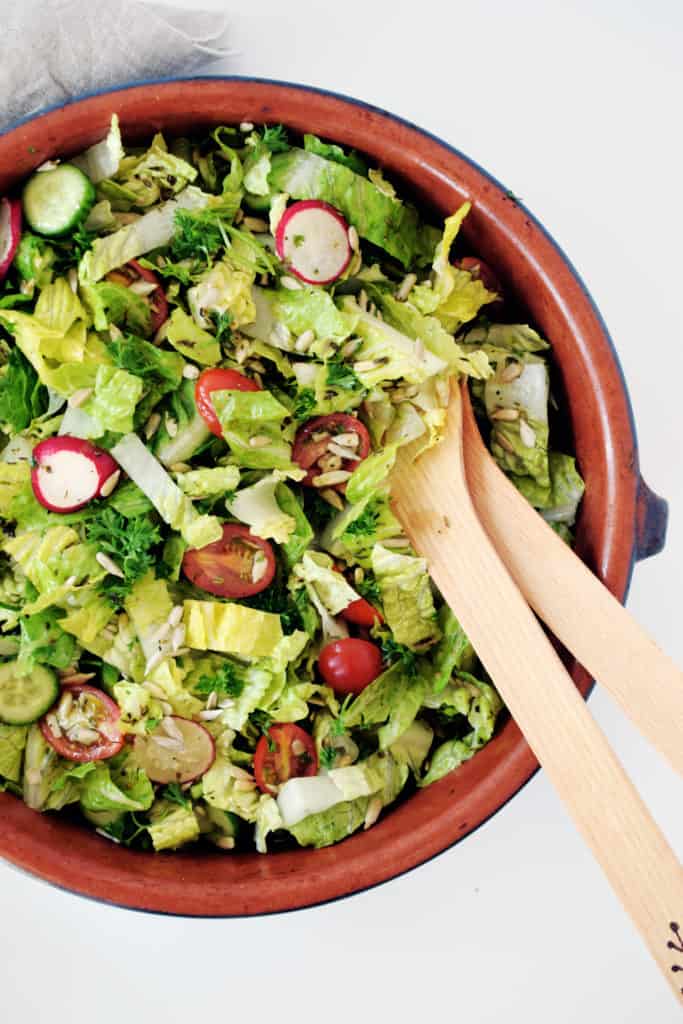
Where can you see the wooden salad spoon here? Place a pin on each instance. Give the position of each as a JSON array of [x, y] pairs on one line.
[[432, 500], [580, 611]]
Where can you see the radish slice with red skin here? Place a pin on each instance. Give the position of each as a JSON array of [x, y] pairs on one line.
[[10, 233], [177, 751], [68, 472], [312, 238]]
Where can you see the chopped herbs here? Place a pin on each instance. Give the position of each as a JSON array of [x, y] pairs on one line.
[[228, 681], [129, 543]]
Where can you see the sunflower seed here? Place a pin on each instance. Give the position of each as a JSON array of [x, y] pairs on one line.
[[511, 372], [236, 772], [154, 661], [242, 351], [337, 476], [527, 435], [281, 333], [259, 441], [328, 463], [304, 341], [227, 703], [190, 371], [372, 309], [27, 288], [115, 333], [246, 126], [257, 366], [239, 216], [109, 565], [290, 283], [171, 729], [332, 498], [212, 701], [255, 224], [79, 397], [79, 734], [110, 483], [142, 288], [363, 299], [76, 678], [263, 280], [225, 843], [350, 347], [156, 691], [365, 365], [72, 278], [373, 812], [504, 443], [71, 581], [161, 635], [348, 440], [107, 835], [152, 425], [166, 708], [342, 452], [509, 415], [171, 426], [354, 240], [55, 727], [319, 435], [180, 467], [358, 574], [406, 287], [396, 542], [211, 714]]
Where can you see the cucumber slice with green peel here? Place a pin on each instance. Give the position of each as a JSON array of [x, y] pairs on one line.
[[57, 201], [25, 698]]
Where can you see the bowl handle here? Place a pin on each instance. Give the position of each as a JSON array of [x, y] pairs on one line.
[[652, 518]]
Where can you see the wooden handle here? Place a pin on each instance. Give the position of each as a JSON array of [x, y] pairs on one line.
[[437, 513], [579, 610]]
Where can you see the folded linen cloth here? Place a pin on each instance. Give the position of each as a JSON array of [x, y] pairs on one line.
[[53, 50]]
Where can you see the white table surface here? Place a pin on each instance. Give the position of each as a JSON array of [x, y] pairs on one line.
[[576, 107]]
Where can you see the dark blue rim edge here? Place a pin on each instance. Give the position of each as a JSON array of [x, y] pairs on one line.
[[462, 156]]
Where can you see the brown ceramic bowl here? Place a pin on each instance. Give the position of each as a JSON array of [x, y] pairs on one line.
[[620, 519]]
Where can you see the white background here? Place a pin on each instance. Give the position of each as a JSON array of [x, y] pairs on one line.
[[576, 107]]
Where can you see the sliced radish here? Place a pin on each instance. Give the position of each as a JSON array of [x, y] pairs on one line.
[[68, 472], [10, 232], [312, 238], [179, 750]]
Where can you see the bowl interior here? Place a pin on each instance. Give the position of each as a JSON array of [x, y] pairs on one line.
[[533, 268]]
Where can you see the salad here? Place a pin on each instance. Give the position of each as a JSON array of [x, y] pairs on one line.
[[212, 352]]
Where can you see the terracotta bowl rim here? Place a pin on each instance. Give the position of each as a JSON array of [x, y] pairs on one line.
[[600, 325]]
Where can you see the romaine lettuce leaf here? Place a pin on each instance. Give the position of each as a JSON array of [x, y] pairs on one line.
[[369, 474], [116, 396], [223, 289], [245, 414], [301, 310], [232, 629], [316, 569], [520, 445], [192, 341], [301, 537], [391, 701], [205, 483], [453, 651], [172, 825], [122, 787], [480, 703], [348, 158], [258, 507], [174, 507], [406, 596], [102, 160], [151, 231], [386, 354], [413, 745], [12, 743], [22, 396]]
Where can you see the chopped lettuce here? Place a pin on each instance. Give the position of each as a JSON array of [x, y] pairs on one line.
[[520, 445], [406, 596], [174, 507], [258, 507], [231, 628], [150, 231], [12, 744], [223, 289], [480, 703], [206, 483], [192, 341], [119, 787], [103, 159], [246, 414], [304, 309], [172, 825], [116, 396], [453, 652], [301, 537], [330, 586]]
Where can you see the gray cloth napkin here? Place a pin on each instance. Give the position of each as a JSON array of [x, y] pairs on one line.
[[53, 50]]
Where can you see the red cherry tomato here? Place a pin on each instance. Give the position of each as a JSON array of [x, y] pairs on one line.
[[349, 665], [91, 711], [287, 752], [129, 275], [311, 441], [362, 613], [237, 565], [477, 268], [218, 380]]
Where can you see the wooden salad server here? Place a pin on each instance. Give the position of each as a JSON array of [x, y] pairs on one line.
[[574, 604], [432, 500]]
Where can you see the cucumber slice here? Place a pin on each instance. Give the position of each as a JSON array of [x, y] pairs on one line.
[[56, 201], [24, 698]]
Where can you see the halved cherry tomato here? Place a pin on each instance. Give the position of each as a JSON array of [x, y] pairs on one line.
[[218, 380], [237, 565], [287, 752], [129, 275], [349, 665], [362, 613], [309, 449], [93, 712], [478, 268]]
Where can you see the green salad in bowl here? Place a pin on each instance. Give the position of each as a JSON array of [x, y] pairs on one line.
[[213, 351]]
